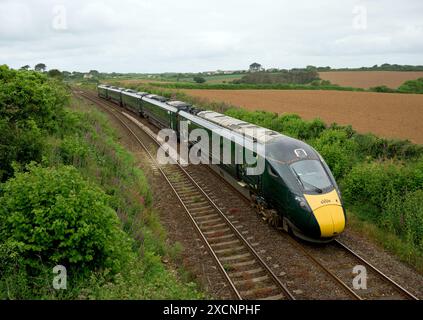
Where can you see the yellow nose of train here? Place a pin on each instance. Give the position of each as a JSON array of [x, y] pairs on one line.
[[328, 211]]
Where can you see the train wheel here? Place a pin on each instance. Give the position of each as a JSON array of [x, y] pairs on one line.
[[273, 218]]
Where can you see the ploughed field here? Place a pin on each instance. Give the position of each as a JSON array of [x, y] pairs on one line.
[[368, 79], [385, 114]]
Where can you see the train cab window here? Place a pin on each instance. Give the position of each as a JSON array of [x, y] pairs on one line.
[[311, 175]]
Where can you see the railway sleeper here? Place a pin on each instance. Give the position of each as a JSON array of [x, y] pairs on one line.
[[226, 243], [252, 280], [208, 217], [217, 231], [229, 250], [236, 257]]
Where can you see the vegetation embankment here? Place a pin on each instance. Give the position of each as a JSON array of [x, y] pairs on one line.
[[381, 179], [72, 196]]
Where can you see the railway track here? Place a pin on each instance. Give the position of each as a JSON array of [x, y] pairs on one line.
[[247, 274], [385, 287]]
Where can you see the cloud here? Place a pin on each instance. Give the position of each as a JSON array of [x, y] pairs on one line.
[[189, 35]]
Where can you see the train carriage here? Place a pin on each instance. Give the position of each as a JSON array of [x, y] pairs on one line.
[[102, 91], [115, 94], [131, 100], [158, 112]]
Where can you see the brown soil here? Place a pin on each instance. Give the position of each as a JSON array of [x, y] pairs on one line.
[[388, 115], [368, 79]]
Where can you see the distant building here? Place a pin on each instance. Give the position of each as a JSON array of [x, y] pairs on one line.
[[88, 76]]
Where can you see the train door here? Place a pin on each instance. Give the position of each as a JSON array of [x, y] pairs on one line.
[[252, 180]]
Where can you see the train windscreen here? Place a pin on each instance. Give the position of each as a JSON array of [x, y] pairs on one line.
[[311, 175]]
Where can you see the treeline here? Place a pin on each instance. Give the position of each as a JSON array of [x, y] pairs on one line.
[[294, 76], [72, 196], [381, 179]]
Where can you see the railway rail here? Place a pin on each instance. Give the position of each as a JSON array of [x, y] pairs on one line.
[[247, 274]]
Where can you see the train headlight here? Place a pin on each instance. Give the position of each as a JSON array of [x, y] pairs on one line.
[[301, 201]]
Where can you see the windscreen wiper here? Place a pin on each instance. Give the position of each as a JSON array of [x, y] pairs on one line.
[[302, 182]]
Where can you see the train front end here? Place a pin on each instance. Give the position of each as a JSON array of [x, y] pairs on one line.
[[308, 197]]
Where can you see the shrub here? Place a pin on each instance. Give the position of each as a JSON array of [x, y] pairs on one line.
[[31, 95], [375, 182], [337, 149], [20, 142], [53, 216], [199, 79], [412, 86], [382, 89], [403, 215]]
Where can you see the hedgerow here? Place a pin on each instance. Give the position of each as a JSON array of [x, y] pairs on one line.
[[72, 195]]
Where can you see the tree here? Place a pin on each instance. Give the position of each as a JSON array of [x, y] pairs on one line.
[[199, 79], [255, 67], [25, 67], [40, 67], [94, 73], [54, 73]]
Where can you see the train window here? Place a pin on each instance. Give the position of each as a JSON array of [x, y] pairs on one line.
[[311, 175]]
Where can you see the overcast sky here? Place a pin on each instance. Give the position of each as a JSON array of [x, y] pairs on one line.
[[198, 35]]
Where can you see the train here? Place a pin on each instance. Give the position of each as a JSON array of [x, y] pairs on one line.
[[296, 191]]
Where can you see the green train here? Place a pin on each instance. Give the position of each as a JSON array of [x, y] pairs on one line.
[[295, 190]]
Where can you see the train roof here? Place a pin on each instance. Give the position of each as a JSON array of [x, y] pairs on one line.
[[262, 135], [278, 148], [115, 89], [178, 104], [131, 93], [159, 103], [156, 97]]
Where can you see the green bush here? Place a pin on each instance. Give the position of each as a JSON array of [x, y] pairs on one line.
[[199, 79], [20, 142], [31, 104], [337, 149], [31, 95], [53, 216], [374, 183], [382, 89], [412, 86], [403, 215]]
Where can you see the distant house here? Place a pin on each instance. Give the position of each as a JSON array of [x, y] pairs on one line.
[[256, 67], [88, 76]]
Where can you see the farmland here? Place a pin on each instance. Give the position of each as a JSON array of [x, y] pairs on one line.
[[388, 115], [368, 79]]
